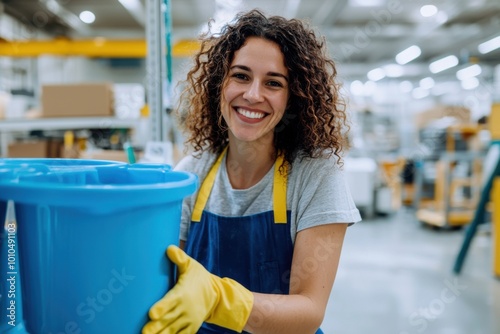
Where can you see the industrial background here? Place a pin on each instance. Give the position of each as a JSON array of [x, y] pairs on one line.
[[100, 78]]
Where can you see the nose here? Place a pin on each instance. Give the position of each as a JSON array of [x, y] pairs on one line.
[[253, 93]]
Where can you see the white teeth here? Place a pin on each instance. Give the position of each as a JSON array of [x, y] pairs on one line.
[[250, 114]]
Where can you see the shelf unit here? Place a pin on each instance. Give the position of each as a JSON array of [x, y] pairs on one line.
[[158, 58], [74, 123], [443, 210]]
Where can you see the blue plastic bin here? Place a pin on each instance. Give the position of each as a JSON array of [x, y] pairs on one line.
[[10, 291], [91, 243]]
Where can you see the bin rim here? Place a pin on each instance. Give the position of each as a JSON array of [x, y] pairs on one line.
[[59, 163], [100, 197]]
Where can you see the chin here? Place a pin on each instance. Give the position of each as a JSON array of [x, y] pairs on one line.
[[244, 138], [247, 135]]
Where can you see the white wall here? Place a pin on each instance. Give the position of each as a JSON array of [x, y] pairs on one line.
[[53, 69], [15, 73]]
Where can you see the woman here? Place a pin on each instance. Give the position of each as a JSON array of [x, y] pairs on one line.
[[263, 234]]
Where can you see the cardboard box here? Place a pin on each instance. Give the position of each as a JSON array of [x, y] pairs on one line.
[[54, 146], [77, 100], [28, 149]]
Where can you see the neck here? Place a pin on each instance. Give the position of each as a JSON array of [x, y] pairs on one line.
[[248, 163]]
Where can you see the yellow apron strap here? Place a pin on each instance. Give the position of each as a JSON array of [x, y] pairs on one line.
[[279, 192], [205, 189]]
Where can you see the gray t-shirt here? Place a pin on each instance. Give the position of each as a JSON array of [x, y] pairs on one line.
[[317, 193]]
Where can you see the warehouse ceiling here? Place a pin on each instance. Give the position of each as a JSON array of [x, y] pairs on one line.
[[362, 34]]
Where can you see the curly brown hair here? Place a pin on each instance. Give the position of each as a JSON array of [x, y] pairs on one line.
[[314, 122]]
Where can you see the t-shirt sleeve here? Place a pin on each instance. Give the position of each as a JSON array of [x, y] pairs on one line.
[[323, 194]]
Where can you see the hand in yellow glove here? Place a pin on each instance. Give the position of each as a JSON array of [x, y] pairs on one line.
[[199, 296]]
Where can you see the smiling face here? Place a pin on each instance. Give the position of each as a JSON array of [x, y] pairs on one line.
[[255, 91]]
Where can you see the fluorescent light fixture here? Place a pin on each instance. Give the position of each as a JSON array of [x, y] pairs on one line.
[[408, 55], [427, 83], [468, 72], [357, 88], [490, 45], [366, 3], [443, 64], [393, 70], [405, 86], [420, 93], [87, 17], [428, 10], [470, 83], [376, 74]]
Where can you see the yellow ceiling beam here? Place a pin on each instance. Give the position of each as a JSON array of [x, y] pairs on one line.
[[185, 48], [97, 47]]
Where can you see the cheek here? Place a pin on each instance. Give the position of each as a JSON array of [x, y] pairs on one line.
[[229, 92], [225, 100], [224, 105]]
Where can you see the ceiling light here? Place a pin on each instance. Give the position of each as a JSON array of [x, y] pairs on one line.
[[420, 93], [376, 74], [408, 55], [366, 3], [405, 86], [490, 45], [428, 10], [393, 70], [427, 83], [87, 17], [357, 88], [468, 72], [443, 64], [470, 83]]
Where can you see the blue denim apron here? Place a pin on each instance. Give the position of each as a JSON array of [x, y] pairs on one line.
[[254, 250]]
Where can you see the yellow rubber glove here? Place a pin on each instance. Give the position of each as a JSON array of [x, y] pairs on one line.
[[199, 296]]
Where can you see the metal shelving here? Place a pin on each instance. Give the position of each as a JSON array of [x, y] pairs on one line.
[[9, 126], [73, 123], [159, 53]]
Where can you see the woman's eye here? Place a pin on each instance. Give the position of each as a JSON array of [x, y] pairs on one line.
[[240, 76], [275, 84]]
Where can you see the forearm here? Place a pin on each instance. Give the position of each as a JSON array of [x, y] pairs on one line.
[[275, 314], [315, 262]]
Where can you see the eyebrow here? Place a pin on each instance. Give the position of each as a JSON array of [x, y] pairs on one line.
[[246, 68]]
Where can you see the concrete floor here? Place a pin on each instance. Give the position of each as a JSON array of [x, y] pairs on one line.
[[395, 277]]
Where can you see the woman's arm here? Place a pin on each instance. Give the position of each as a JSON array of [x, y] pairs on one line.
[[228, 304], [315, 260]]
